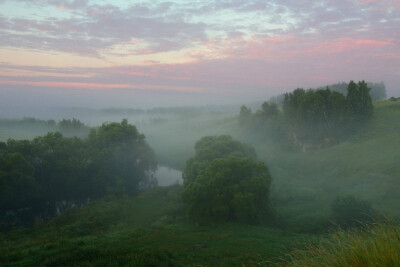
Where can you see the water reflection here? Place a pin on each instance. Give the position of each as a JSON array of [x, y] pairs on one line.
[[167, 176]]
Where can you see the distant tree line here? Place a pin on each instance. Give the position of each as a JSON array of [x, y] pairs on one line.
[[377, 92], [313, 116], [68, 127], [320, 114], [41, 177], [27, 122]]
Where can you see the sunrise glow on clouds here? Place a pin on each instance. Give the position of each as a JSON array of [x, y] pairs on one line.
[[240, 47]]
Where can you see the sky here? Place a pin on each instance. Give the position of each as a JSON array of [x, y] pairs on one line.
[[111, 53]]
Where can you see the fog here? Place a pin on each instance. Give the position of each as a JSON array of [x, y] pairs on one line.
[[331, 162], [55, 103], [199, 133]]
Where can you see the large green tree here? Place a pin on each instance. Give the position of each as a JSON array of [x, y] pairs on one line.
[[209, 148], [122, 160], [225, 182]]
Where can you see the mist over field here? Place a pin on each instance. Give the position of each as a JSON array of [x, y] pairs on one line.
[[225, 133]]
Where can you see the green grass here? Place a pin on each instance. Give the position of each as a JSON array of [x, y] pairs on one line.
[[376, 246], [148, 230], [366, 165]]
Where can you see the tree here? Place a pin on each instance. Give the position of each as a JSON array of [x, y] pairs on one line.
[[209, 148], [291, 102], [245, 111], [359, 102], [122, 159], [18, 191], [320, 116], [244, 115], [378, 90], [224, 182], [365, 102], [268, 110], [73, 127]]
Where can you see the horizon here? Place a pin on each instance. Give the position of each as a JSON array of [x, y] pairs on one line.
[[100, 54]]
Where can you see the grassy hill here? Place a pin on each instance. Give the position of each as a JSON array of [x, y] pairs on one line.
[[366, 165], [377, 245], [148, 230]]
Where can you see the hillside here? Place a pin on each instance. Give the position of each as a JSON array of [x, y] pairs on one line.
[[366, 165], [148, 230]]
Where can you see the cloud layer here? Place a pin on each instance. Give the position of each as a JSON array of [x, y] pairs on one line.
[[254, 48]]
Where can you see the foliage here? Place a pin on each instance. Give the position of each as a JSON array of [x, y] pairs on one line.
[[321, 115], [122, 161], [68, 125], [315, 115], [223, 182], [359, 102], [350, 211], [378, 245], [42, 177], [209, 148], [378, 90], [245, 111], [268, 111], [312, 117], [73, 127], [229, 189]]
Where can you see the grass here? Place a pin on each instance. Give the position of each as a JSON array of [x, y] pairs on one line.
[[148, 230], [366, 165], [378, 245]]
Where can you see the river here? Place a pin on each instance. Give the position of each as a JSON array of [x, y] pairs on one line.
[[167, 176]]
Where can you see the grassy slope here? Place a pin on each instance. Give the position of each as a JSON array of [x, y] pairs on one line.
[[143, 230], [366, 165], [378, 245]]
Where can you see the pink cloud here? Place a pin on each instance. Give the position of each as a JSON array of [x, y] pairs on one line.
[[67, 84], [346, 44], [379, 4], [146, 52], [62, 8], [97, 86]]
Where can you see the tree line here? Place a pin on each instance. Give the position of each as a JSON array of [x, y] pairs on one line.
[[41, 177], [314, 116]]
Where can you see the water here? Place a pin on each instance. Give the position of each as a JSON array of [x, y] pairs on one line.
[[167, 176]]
